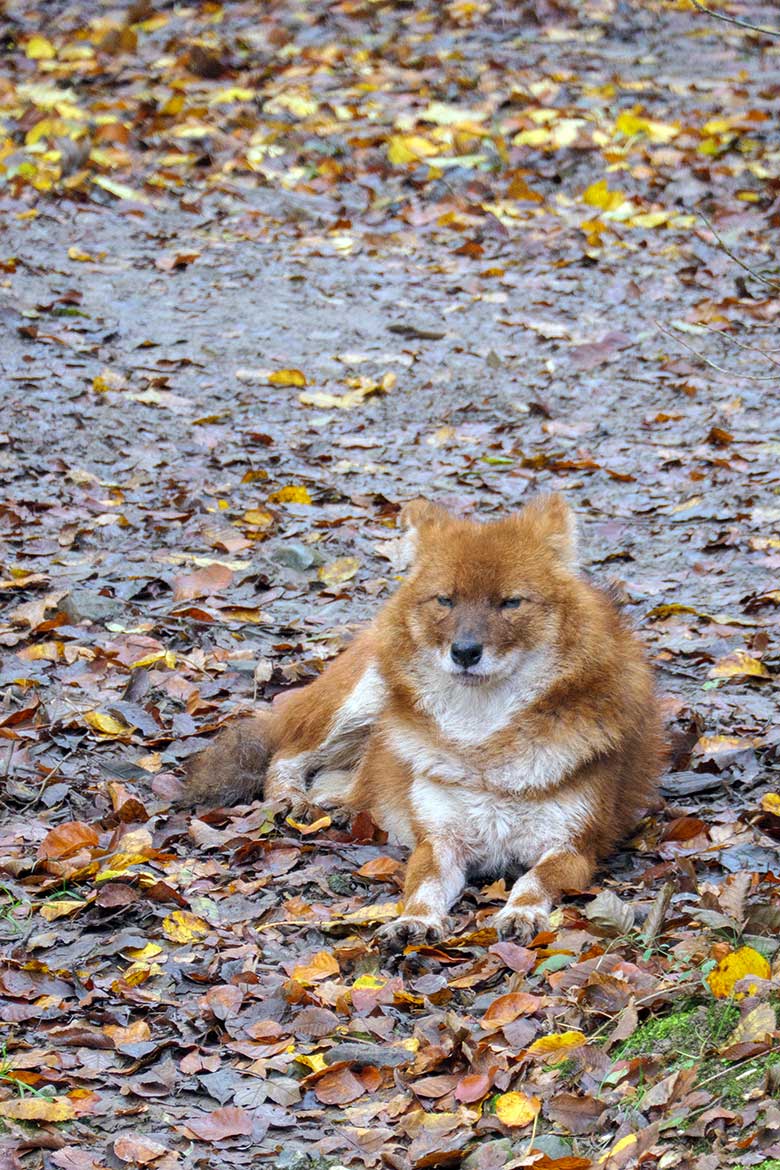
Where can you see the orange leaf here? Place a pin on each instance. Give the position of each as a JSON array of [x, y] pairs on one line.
[[338, 1087], [508, 1007], [319, 966], [67, 839]]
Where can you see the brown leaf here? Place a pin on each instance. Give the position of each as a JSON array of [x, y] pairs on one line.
[[472, 1088], [229, 1121], [338, 1087], [202, 583], [141, 1150]]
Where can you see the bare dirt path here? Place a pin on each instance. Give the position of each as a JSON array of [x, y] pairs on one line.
[[266, 272]]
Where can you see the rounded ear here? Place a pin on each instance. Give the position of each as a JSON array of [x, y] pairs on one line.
[[552, 522], [416, 517], [418, 514]]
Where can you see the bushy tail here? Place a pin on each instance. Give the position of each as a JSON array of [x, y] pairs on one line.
[[231, 770]]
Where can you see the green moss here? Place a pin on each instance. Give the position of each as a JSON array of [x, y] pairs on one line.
[[736, 1081], [688, 1032], [769, 1164]]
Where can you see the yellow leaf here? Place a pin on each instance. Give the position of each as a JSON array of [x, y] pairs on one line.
[[107, 724], [40, 49], [368, 915], [183, 927], [287, 378], [144, 954], [60, 909], [233, 93], [316, 1062], [650, 219], [599, 195], [771, 803], [558, 1042], [119, 864], [319, 966], [306, 830], [108, 380], [338, 571], [623, 1144], [372, 982], [517, 1109], [734, 967], [76, 254], [258, 517], [762, 1021], [38, 1109], [631, 124], [120, 190], [409, 148], [738, 664], [291, 494]]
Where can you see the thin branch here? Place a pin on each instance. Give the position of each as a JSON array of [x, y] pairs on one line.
[[742, 345], [767, 32], [707, 361], [735, 258]]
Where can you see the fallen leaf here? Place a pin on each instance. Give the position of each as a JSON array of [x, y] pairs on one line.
[[517, 1109], [339, 571], [735, 966], [338, 1087], [38, 1109], [182, 926], [287, 378], [229, 1121], [67, 839], [321, 965]]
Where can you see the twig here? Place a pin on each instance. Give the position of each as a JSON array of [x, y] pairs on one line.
[[742, 345], [655, 919], [767, 32], [707, 361], [736, 259]]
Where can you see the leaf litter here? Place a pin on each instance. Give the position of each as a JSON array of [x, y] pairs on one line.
[[265, 276]]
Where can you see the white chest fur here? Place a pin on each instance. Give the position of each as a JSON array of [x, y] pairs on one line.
[[489, 828]]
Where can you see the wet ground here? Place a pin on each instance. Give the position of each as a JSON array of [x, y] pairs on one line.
[[291, 268]]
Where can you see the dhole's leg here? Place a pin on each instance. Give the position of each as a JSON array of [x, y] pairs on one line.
[[433, 881], [532, 897], [322, 732]]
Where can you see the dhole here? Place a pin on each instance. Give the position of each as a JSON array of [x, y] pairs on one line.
[[497, 714]]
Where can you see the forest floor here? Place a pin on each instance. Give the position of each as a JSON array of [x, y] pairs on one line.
[[267, 272]]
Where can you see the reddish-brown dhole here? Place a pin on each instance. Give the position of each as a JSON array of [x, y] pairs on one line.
[[497, 714]]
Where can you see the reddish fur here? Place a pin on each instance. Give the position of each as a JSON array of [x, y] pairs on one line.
[[600, 705]]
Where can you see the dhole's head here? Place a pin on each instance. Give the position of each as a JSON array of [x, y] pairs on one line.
[[483, 600]]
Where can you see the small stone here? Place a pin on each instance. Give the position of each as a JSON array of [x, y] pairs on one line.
[[86, 605], [294, 555]]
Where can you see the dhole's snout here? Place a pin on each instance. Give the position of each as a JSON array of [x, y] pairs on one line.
[[466, 652]]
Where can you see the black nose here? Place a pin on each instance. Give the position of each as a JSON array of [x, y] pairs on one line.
[[466, 653]]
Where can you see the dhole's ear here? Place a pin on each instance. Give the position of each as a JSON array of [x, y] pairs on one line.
[[553, 522], [415, 518]]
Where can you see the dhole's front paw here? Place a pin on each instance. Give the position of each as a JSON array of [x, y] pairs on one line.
[[298, 807], [340, 816], [406, 931], [521, 923]]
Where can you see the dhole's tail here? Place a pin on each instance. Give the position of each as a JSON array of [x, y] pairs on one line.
[[231, 770]]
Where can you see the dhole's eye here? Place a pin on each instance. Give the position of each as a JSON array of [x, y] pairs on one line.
[[447, 602], [511, 603]]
